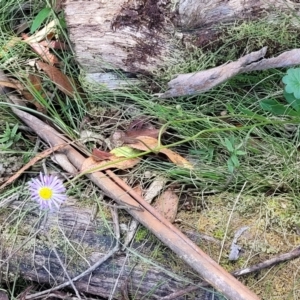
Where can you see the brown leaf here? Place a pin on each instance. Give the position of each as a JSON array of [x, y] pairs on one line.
[[36, 83], [41, 50], [91, 166], [55, 45], [141, 132], [167, 205], [146, 143], [31, 163], [9, 84], [99, 155], [63, 82], [44, 53]]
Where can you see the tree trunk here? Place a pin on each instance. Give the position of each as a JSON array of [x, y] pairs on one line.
[[79, 242], [140, 37]]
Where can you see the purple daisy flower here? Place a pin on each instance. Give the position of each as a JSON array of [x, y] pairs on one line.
[[48, 191]]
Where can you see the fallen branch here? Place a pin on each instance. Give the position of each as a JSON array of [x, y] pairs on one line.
[[164, 230], [200, 82]]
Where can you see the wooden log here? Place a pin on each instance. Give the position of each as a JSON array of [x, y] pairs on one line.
[[140, 37], [80, 242]]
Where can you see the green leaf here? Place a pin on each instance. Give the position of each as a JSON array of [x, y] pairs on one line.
[[235, 160], [4, 139], [240, 152], [125, 151], [17, 137], [63, 23], [230, 165], [277, 108], [292, 81], [14, 130], [228, 145], [8, 144], [290, 98], [40, 18]]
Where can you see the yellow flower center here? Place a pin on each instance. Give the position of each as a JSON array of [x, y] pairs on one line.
[[45, 193]]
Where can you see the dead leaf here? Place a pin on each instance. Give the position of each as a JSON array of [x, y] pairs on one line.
[[55, 45], [41, 50], [134, 133], [91, 166], [62, 81], [36, 84], [99, 155], [167, 205], [9, 84], [146, 143], [44, 53], [30, 164]]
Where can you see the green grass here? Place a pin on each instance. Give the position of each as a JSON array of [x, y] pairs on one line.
[[195, 126]]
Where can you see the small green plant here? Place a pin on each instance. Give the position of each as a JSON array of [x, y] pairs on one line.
[[291, 94], [234, 151], [9, 137]]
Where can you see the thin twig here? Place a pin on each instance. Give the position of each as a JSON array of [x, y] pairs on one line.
[[184, 291], [268, 263]]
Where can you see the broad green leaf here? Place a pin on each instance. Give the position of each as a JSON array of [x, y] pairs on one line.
[[277, 108], [292, 81], [290, 98], [40, 18], [125, 151]]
